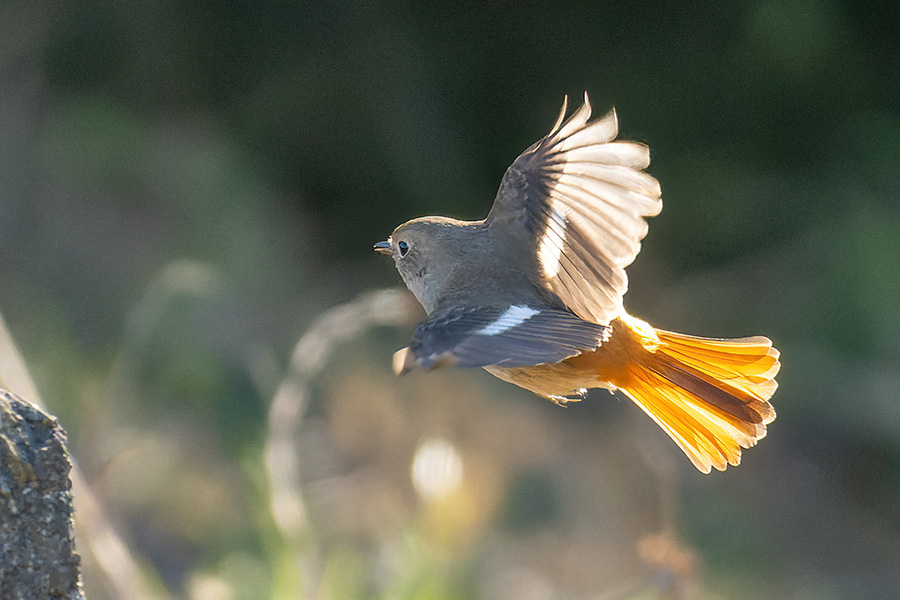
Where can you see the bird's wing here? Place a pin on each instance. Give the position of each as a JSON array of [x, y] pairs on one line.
[[511, 336], [579, 198]]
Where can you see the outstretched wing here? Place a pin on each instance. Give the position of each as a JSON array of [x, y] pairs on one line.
[[511, 336], [579, 198]]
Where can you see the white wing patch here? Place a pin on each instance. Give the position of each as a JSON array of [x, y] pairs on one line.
[[514, 315], [553, 241]]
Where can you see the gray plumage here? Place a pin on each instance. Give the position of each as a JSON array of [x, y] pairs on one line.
[[567, 220]]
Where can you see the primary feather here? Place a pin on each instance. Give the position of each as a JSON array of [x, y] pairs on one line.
[[583, 197]]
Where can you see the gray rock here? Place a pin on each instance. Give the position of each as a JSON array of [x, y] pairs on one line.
[[37, 545]]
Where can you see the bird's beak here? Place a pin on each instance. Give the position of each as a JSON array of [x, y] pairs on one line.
[[384, 248]]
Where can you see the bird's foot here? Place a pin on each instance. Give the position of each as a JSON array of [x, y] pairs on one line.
[[576, 396]]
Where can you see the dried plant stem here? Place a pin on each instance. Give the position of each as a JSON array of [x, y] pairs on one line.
[[94, 532], [391, 307]]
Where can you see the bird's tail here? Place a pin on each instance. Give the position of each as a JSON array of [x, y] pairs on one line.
[[710, 395]]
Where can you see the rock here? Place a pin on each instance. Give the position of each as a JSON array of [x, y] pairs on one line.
[[37, 545]]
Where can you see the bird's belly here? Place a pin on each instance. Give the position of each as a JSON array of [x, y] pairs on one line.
[[558, 381], [607, 367]]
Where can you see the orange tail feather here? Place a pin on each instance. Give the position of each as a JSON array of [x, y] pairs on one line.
[[710, 395]]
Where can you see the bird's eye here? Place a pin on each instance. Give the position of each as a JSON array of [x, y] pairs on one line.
[[403, 247]]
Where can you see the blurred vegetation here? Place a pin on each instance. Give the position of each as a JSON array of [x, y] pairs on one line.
[[187, 186]]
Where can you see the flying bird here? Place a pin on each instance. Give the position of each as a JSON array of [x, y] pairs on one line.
[[533, 294]]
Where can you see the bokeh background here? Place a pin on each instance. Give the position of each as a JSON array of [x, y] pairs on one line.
[[186, 188]]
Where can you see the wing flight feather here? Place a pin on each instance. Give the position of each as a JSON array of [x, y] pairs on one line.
[[582, 197]]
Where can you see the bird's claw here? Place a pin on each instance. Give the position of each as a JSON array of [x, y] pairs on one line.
[[576, 396]]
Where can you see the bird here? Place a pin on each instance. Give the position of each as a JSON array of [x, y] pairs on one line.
[[534, 293]]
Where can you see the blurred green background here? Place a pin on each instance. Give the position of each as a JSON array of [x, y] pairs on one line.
[[185, 187]]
